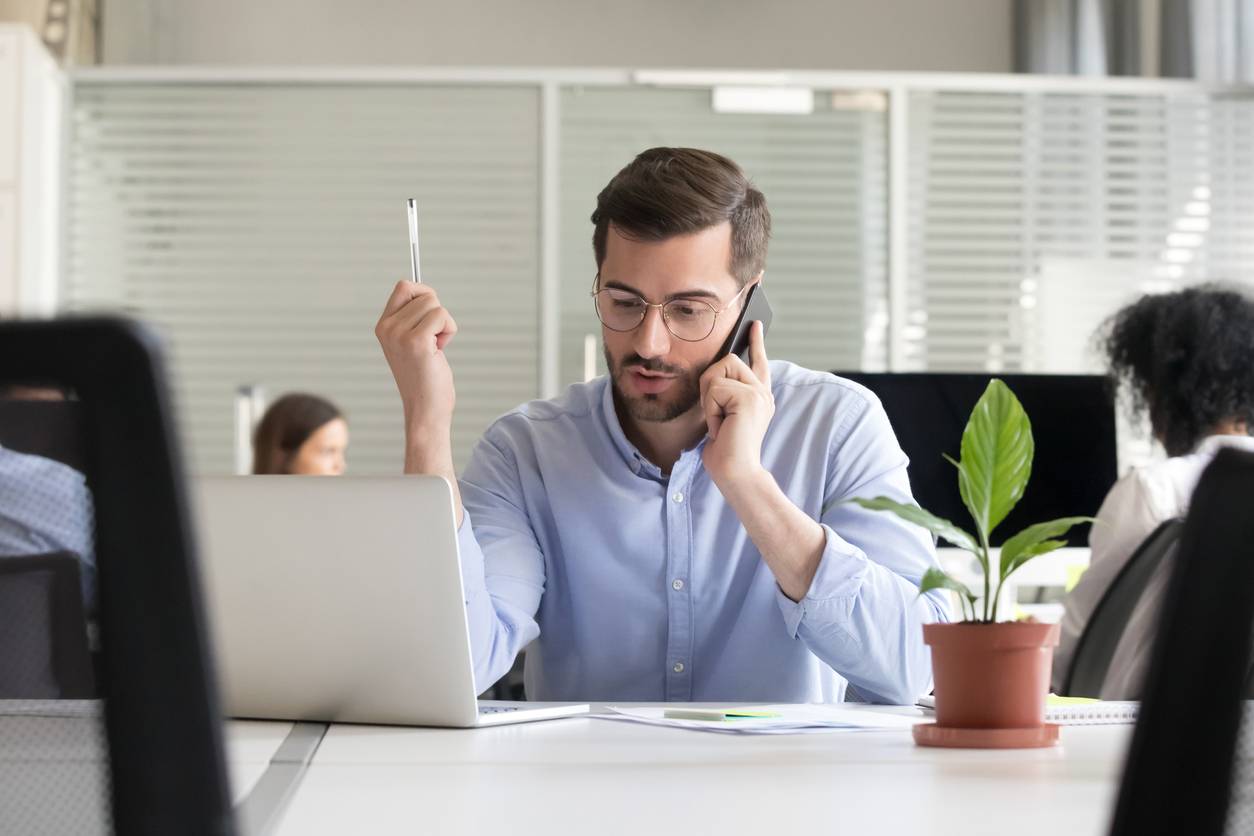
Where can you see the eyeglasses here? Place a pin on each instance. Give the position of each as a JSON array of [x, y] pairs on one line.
[[690, 320]]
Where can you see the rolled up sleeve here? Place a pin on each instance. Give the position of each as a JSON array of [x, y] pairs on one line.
[[863, 614]]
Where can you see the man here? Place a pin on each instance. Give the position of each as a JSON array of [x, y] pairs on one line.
[[662, 531]]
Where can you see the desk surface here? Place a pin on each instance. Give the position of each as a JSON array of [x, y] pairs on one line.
[[250, 744], [587, 775]]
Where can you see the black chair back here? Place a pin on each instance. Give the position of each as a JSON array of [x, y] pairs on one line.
[[1180, 766], [1095, 649], [45, 653], [157, 765]]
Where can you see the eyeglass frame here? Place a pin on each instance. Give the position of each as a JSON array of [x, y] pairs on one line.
[[661, 306]]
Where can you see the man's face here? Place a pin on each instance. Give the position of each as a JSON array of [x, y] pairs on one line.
[[655, 374]]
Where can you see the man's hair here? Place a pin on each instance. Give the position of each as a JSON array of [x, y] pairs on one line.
[[1188, 358], [665, 192]]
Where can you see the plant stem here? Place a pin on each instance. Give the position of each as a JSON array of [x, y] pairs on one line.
[[997, 596], [987, 569]]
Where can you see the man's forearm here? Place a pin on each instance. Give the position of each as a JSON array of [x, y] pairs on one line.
[[431, 453], [790, 541]]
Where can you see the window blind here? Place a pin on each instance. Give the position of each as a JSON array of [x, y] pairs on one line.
[[261, 227], [1035, 215]]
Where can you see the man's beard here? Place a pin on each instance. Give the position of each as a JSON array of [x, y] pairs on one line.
[[683, 395]]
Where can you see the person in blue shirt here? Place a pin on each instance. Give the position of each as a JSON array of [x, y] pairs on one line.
[[45, 505], [676, 530]]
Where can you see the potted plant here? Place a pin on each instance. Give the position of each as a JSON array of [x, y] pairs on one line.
[[991, 677]]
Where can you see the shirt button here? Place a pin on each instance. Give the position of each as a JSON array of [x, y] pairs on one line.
[[677, 584], [678, 496], [678, 667]]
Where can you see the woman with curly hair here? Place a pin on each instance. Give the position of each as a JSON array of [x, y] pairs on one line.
[[1187, 360]]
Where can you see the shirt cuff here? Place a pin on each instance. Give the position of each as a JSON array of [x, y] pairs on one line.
[[842, 568]]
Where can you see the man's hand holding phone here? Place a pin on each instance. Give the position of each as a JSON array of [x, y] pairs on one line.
[[738, 406]]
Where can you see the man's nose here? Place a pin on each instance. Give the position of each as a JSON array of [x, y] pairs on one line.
[[652, 339]]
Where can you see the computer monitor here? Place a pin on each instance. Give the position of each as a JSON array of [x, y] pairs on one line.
[[1073, 425]]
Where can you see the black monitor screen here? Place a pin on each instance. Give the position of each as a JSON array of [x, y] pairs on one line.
[[1073, 425]]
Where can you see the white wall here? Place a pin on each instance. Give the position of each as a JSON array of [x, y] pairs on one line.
[[953, 35], [31, 89]]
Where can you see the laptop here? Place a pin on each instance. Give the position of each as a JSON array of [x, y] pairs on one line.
[[339, 599]]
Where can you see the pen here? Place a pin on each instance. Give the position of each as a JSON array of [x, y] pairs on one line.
[[415, 271]]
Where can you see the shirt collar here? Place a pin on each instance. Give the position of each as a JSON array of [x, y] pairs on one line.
[[635, 460], [1212, 443]]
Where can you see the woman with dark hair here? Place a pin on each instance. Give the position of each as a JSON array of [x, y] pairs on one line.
[[301, 434], [1187, 360]]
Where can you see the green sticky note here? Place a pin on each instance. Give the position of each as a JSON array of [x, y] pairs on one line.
[[1055, 701], [716, 714], [740, 715]]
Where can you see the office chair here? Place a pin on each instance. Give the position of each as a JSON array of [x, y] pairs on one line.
[[1095, 648], [45, 654], [1179, 773], [52, 429], [161, 747]]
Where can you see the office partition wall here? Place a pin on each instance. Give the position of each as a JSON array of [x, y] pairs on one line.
[[1035, 214], [958, 223], [262, 227]]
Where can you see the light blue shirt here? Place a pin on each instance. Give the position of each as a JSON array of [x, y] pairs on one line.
[[45, 506], [637, 585]]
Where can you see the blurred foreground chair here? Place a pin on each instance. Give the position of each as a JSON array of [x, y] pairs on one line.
[[147, 757], [1190, 767]]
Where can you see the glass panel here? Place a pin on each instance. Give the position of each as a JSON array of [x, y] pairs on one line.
[[263, 226]]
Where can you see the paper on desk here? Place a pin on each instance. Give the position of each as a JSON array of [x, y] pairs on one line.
[[792, 719]]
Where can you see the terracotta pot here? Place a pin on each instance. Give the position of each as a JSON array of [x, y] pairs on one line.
[[991, 676]]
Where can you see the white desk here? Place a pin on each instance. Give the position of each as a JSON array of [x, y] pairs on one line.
[[53, 773], [250, 744], [584, 775]]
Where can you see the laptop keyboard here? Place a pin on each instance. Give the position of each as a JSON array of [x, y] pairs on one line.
[[497, 709]]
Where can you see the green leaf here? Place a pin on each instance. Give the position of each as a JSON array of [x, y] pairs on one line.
[[915, 514], [1022, 547], [934, 578], [1044, 547], [997, 451]]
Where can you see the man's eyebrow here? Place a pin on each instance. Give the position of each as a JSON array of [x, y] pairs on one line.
[[697, 293]]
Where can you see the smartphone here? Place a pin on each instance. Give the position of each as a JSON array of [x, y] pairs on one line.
[[756, 309]]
